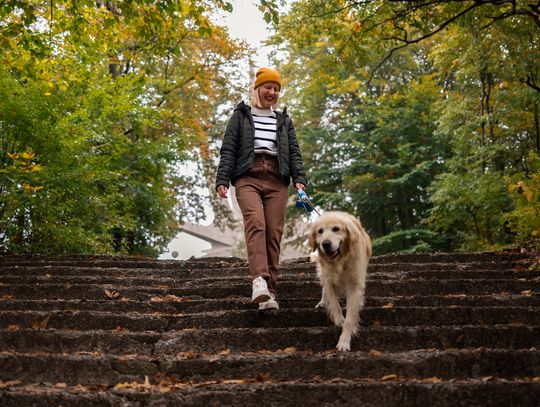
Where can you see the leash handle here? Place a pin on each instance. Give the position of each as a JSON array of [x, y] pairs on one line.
[[305, 202], [302, 195]]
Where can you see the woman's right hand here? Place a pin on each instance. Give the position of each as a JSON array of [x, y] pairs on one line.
[[222, 191]]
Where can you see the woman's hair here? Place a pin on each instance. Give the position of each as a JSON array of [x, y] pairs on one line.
[[255, 100]]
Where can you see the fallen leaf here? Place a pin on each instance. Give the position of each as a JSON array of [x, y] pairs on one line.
[[389, 305], [9, 383], [175, 298], [41, 324], [187, 355], [60, 385], [156, 299], [375, 353], [527, 293], [433, 379], [7, 297], [290, 349], [13, 328], [119, 329], [389, 377], [516, 324], [112, 294], [124, 385], [235, 381], [80, 388], [225, 352], [487, 379]]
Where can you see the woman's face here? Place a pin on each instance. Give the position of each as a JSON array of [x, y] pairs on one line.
[[268, 94]]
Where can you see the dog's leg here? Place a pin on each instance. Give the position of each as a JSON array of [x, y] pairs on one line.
[[321, 303], [355, 302], [331, 301]]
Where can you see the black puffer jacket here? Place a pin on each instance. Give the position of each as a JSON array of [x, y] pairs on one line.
[[237, 151]]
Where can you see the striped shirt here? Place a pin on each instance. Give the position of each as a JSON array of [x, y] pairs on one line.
[[265, 131]]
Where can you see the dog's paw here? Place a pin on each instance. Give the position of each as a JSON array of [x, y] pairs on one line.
[[343, 345]]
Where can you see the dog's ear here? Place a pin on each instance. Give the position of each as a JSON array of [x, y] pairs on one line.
[[354, 228], [312, 241]]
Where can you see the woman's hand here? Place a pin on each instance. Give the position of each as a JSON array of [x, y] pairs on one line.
[[299, 186], [222, 191]]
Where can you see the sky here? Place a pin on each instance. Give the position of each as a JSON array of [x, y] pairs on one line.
[[245, 22]]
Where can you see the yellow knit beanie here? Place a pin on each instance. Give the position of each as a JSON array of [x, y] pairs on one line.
[[265, 75]]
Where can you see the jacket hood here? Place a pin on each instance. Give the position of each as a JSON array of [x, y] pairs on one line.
[[242, 107], [245, 108]]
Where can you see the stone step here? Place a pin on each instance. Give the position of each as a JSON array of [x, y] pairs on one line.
[[292, 289], [46, 341], [315, 339], [122, 262], [450, 257], [194, 269], [173, 304], [126, 277], [324, 338], [384, 259], [338, 392], [253, 318], [91, 370], [441, 329]]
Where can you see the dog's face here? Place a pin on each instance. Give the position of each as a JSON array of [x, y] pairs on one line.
[[331, 234]]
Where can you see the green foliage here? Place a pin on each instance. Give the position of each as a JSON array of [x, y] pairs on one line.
[[524, 191], [418, 117], [101, 104], [46, 200], [410, 115], [410, 241], [467, 207]]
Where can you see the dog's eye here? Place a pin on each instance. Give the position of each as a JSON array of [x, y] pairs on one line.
[[320, 231], [335, 229]]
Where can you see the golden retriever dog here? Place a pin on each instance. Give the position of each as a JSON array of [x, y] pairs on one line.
[[344, 250]]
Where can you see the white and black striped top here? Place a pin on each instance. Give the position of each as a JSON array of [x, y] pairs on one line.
[[265, 131]]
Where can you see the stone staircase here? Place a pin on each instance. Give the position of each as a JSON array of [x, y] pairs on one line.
[[437, 330]]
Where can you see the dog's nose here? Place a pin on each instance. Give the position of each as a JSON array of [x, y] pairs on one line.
[[326, 244]]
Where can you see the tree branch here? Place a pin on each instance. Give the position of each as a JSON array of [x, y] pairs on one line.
[[529, 82], [417, 40]]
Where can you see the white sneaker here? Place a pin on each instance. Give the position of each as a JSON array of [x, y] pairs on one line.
[[260, 291], [270, 304]]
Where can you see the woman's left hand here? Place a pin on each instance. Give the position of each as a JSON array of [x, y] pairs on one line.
[[299, 186]]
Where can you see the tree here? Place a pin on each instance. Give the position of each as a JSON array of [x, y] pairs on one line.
[[400, 23], [489, 115], [369, 149], [404, 107], [106, 99]]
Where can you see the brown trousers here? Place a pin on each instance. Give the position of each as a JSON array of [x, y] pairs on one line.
[[262, 197]]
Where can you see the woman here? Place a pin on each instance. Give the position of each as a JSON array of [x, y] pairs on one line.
[[259, 156]]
